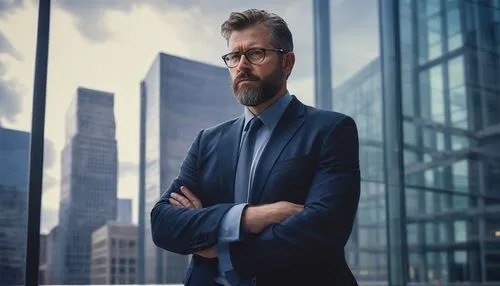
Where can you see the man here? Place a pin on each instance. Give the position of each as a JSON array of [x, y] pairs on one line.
[[268, 198]]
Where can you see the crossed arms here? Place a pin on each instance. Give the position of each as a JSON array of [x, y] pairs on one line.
[[279, 234]]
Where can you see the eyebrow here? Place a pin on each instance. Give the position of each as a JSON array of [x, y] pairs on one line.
[[248, 48]]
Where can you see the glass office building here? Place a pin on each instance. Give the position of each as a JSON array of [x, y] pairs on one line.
[[89, 166], [445, 69], [179, 98], [450, 69], [14, 162]]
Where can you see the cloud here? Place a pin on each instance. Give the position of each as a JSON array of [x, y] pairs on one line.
[[7, 48], [128, 168], [197, 22], [90, 16], [10, 96], [7, 6], [10, 90]]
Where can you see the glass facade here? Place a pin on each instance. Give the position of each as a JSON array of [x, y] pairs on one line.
[[447, 71], [450, 60], [14, 158], [88, 184], [181, 97], [361, 97]]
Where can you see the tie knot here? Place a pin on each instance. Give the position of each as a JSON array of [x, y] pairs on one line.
[[254, 124]]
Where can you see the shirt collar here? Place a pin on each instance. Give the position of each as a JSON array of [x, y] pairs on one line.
[[271, 116]]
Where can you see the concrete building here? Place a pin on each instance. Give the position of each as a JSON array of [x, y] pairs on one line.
[[14, 160], [114, 254], [179, 97]]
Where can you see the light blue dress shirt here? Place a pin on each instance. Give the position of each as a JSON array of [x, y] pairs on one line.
[[230, 226]]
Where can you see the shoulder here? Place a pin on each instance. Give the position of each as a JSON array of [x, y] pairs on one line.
[[327, 120], [213, 133]]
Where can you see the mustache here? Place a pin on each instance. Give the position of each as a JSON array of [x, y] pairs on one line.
[[246, 77]]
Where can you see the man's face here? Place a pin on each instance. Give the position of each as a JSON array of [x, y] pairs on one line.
[[255, 83]]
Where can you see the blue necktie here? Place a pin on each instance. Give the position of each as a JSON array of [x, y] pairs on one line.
[[242, 180], [242, 184]]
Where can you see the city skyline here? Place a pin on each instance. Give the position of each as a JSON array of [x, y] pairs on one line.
[[115, 61]]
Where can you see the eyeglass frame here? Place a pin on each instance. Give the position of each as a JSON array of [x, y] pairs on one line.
[[282, 51]]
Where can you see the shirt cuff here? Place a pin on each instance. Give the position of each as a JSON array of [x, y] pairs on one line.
[[231, 223], [224, 257]]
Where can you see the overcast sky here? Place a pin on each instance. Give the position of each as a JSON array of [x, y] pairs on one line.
[[109, 45]]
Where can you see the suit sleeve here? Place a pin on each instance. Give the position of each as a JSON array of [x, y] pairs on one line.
[[325, 224], [182, 230]]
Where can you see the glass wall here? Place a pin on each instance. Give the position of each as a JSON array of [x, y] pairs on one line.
[[357, 92], [450, 94]]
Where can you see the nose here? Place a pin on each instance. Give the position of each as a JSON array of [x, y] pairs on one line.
[[243, 64]]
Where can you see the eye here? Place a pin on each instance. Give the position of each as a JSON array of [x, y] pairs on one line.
[[255, 54]]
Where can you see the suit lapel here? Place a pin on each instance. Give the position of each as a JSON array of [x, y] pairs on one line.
[[288, 125], [227, 155]]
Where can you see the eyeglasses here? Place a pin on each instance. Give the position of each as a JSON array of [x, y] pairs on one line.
[[254, 56]]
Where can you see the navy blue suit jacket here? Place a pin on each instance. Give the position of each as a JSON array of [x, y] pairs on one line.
[[311, 159]]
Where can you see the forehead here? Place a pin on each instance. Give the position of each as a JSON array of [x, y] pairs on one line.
[[254, 36]]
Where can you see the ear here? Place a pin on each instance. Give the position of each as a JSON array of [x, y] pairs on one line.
[[289, 62]]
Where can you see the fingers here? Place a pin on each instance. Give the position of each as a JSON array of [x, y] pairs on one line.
[[175, 203], [189, 200], [191, 197], [184, 202]]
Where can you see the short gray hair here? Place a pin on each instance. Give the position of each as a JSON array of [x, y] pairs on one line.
[[279, 33]]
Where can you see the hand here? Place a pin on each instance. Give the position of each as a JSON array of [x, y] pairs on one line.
[[256, 218], [207, 253], [189, 200]]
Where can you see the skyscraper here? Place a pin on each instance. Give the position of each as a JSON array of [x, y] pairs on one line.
[[14, 160], [88, 181], [450, 70], [179, 97], [444, 70], [124, 211]]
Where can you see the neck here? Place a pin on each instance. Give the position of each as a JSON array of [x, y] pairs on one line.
[[258, 109]]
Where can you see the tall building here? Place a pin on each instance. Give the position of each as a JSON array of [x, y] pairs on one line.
[[179, 97], [88, 181], [14, 161], [53, 262], [124, 211], [360, 97], [450, 70], [448, 84], [42, 269], [114, 254]]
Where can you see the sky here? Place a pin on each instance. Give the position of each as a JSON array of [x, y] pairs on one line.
[[109, 45]]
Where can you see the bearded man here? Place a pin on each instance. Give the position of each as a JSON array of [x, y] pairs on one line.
[[268, 198]]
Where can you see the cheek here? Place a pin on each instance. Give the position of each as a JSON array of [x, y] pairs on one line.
[[233, 72]]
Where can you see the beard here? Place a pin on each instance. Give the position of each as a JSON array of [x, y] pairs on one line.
[[259, 90]]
